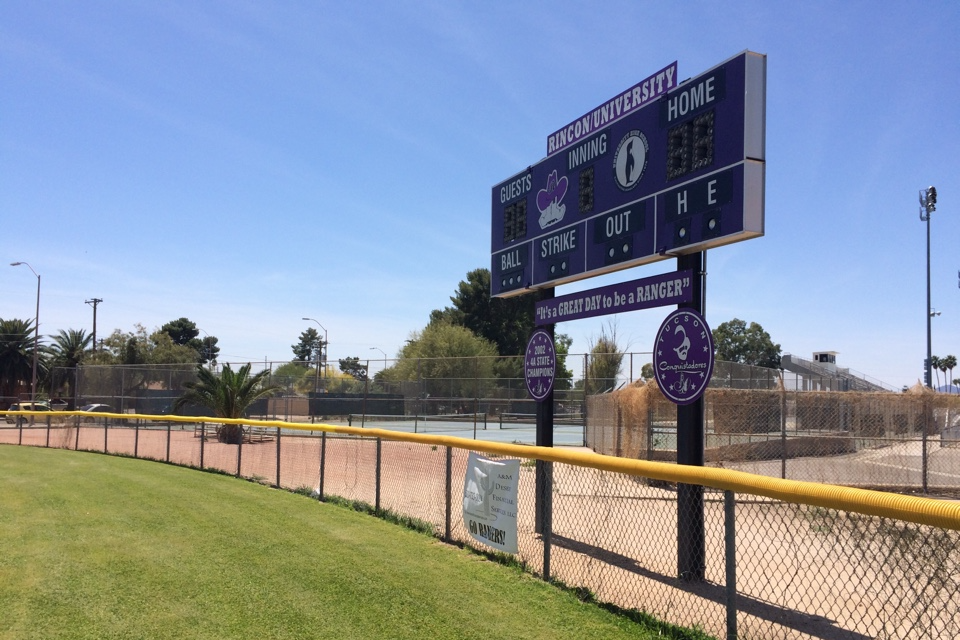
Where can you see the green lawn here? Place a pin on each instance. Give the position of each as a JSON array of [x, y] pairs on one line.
[[93, 546]]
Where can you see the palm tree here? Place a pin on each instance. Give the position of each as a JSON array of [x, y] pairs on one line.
[[947, 364], [228, 396], [16, 356], [935, 369], [68, 351], [943, 365]]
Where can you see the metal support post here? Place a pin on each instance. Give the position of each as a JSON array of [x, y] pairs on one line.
[[323, 463], [691, 547], [730, 549], [379, 478], [448, 519]]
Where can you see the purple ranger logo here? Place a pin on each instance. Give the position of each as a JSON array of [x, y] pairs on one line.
[[549, 200], [683, 356]]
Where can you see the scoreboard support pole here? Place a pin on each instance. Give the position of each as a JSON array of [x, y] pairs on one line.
[[691, 547], [544, 470]]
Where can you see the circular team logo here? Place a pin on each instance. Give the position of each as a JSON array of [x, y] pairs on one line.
[[540, 365], [683, 356], [630, 160]]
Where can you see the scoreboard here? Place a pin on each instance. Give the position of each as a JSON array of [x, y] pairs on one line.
[[661, 170]]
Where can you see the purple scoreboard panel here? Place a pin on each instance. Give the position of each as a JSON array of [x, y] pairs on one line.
[[663, 169]]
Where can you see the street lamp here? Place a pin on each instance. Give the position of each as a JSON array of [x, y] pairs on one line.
[[36, 332], [384, 355], [323, 348], [928, 204]]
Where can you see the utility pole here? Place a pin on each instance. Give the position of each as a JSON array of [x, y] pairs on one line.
[[94, 302]]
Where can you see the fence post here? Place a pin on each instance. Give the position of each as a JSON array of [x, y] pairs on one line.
[[449, 495], [730, 549], [239, 454], [323, 459], [366, 392], [105, 429], [48, 432], [278, 456], [168, 440], [76, 424], [376, 505], [618, 434], [650, 433], [927, 422], [547, 518], [136, 438], [783, 433], [416, 414], [203, 437]]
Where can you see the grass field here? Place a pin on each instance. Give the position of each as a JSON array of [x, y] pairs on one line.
[[93, 546]]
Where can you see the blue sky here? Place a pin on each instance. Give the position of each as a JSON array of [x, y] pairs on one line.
[[246, 164]]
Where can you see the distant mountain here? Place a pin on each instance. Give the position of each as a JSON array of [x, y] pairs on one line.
[[949, 388]]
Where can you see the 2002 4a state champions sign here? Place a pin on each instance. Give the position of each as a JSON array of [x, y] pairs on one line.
[[540, 365], [683, 356]]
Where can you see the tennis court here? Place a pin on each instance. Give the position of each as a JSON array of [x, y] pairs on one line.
[[518, 428]]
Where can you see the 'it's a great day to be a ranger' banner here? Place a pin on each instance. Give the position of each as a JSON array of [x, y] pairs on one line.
[[490, 501], [645, 293]]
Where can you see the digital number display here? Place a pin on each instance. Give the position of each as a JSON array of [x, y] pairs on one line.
[[586, 190], [690, 146], [515, 221]]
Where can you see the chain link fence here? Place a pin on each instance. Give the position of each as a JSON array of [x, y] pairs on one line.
[[904, 442], [779, 560]]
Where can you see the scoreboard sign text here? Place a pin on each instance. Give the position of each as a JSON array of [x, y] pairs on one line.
[[663, 169]]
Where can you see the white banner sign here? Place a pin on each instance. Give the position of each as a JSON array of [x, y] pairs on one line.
[[490, 501]]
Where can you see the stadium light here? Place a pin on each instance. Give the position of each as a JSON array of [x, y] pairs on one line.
[[928, 204], [36, 332]]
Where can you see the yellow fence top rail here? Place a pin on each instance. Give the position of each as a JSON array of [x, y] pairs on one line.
[[928, 511]]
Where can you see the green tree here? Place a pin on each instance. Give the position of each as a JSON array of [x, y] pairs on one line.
[[140, 347], [16, 357], [209, 350], [182, 331], [564, 377], [68, 351], [353, 368], [606, 359], [736, 342], [948, 363], [162, 349], [449, 361], [646, 371], [228, 395], [294, 377], [935, 369], [506, 322], [310, 346]]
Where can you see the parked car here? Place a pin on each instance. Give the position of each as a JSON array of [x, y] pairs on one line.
[[25, 406], [94, 408]]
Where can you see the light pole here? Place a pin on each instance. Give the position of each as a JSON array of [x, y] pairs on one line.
[[36, 332], [323, 348], [928, 204], [384, 355]]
